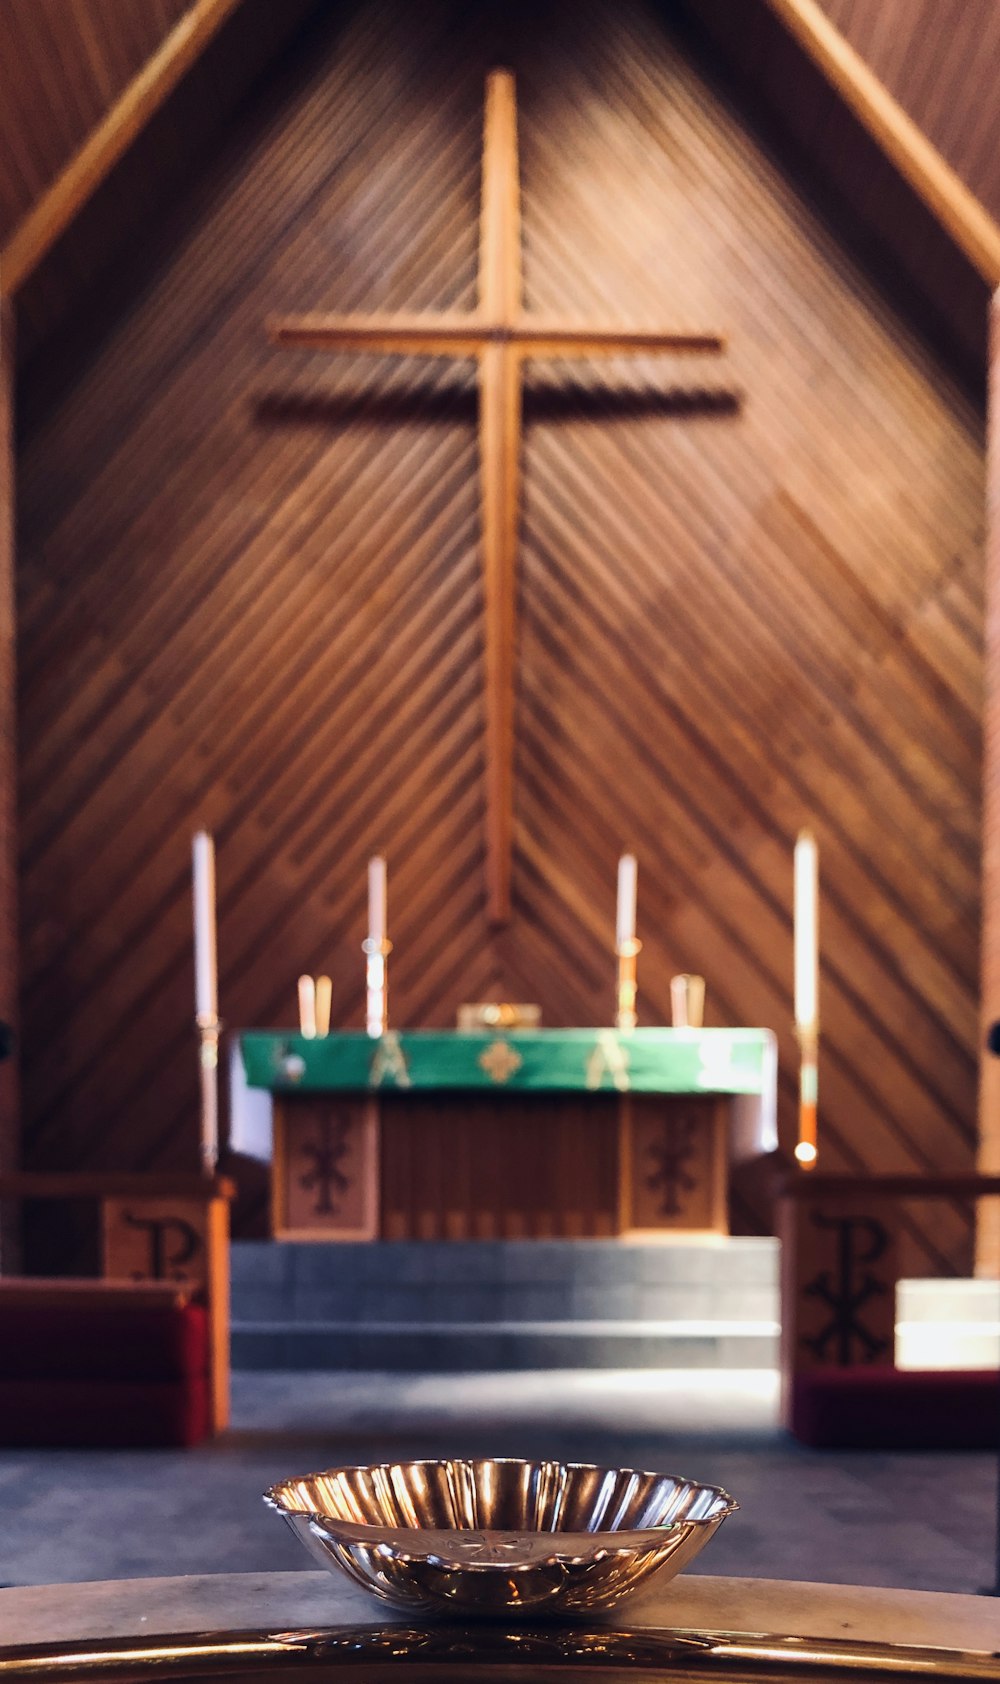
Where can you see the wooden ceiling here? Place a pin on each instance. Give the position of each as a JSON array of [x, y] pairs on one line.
[[62, 65], [939, 59], [64, 62], [69, 61]]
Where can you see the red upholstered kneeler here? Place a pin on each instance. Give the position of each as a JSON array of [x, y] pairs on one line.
[[102, 1363], [874, 1408]]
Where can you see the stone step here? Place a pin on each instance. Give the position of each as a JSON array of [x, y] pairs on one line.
[[505, 1281], [507, 1304], [473, 1347]]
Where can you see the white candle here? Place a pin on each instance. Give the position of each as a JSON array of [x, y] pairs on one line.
[[307, 1007], [324, 1000], [627, 886], [376, 899], [806, 931], [205, 978]]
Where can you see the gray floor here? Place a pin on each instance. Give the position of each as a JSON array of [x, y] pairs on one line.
[[923, 1521]]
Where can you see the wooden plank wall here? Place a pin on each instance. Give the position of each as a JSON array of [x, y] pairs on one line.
[[988, 1227], [64, 63], [250, 599], [938, 58], [9, 1143], [884, 220]]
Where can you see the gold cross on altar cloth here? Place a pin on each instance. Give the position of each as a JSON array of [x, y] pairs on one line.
[[500, 336], [500, 1060]]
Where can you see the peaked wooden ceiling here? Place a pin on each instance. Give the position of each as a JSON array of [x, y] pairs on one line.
[[938, 58], [63, 64]]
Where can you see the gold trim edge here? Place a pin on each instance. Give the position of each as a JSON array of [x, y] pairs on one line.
[[738, 1655]]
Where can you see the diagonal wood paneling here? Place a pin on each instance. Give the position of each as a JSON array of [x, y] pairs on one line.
[[937, 57], [63, 64], [884, 221], [250, 598]]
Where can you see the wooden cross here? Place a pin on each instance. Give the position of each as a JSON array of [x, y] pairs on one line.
[[500, 336]]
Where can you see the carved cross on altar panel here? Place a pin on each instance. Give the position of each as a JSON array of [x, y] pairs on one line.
[[501, 337]]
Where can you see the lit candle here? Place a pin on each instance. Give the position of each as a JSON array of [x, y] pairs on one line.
[[307, 1007], [806, 931], [376, 900], [627, 885], [205, 970]]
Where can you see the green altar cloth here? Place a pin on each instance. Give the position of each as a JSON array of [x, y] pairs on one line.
[[735, 1061]]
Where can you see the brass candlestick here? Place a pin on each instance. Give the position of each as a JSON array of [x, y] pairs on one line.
[[628, 952], [209, 1029], [376, 984], [806, 1150]]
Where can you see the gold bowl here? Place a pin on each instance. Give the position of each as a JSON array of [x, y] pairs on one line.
[[500, 1537]]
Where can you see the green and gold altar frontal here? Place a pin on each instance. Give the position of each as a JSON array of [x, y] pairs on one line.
[[725, 1061], [501, 1132]]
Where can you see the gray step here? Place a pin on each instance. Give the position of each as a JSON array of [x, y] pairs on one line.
[[464, 1347], [505, 1281], [511, 1304]]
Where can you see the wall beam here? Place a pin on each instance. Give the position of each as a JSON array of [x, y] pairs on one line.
[[918, 161], [119, 127]]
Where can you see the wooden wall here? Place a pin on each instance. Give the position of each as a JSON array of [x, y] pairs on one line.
[[9, 1142], [938, 58], [250, 599], [988, 1226], [64, 63]]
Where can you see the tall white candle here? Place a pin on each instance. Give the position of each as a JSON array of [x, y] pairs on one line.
[[206, 992], [376, 899], [627, 887], [806, 931]]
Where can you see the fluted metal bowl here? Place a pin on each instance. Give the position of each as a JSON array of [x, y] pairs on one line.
[[500, 1537]]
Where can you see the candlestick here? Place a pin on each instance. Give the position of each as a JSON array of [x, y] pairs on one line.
[[206, 995], [806, 1150], [209, 1030], [628, 952], [627, 888], [376, 985], [307, 1007], [376, 899], [807, 993], [324, 1000]]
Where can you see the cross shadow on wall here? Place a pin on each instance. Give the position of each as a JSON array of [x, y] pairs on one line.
[[573, 399]]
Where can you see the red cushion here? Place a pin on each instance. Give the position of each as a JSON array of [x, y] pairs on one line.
[[102, 1342], [118, 1413], [896, 1408]]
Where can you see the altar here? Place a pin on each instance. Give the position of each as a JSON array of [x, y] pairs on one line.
[[519, 1134]]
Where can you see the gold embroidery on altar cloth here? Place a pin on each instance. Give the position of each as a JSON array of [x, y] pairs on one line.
[[611, 1058], [389, 1061], [500, 1060]]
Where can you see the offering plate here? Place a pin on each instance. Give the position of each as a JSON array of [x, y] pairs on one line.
[[498, 1538]]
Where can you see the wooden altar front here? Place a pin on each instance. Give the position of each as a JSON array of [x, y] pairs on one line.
[[531, 1134]]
